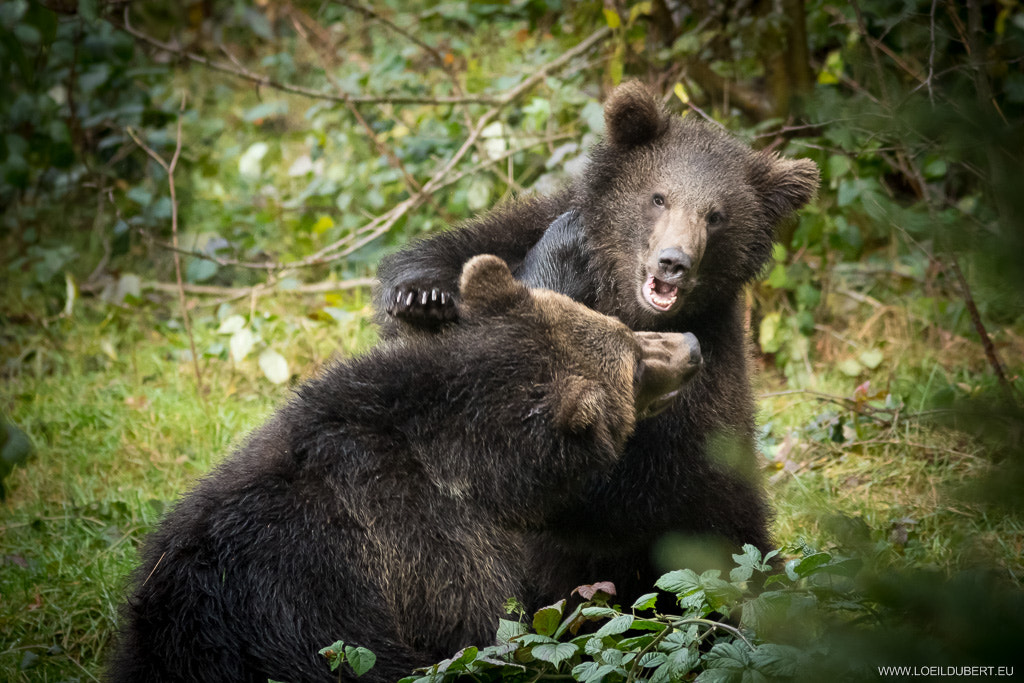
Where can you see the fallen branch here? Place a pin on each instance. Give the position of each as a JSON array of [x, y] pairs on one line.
[[369, 227], [238, 292], [169, 167]]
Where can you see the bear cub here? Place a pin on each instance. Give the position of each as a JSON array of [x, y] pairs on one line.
[[670, 220], [388, 502]]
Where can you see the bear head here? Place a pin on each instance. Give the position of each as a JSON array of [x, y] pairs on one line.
[[594, 372], [679, 213]]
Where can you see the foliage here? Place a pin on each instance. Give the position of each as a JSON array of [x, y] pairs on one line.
[[824, 616], [598, 641], [359, 659]]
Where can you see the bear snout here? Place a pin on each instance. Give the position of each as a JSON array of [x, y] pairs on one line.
[[668, 361], [673, 266]]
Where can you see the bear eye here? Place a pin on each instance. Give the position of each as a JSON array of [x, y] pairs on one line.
[[659, 200], [715, 218]]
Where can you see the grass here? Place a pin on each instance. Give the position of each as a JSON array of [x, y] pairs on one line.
[[108, 395]]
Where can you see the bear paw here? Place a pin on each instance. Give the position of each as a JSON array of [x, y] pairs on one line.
[[421, 304]]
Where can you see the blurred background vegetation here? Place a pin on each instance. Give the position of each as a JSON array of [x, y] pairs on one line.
[[195, 195]]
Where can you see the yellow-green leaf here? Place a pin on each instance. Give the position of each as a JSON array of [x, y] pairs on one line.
[[638, 10], [681, 93], [612, 17], [323, 224]]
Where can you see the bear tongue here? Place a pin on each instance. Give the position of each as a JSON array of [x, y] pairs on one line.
[[661, 295]]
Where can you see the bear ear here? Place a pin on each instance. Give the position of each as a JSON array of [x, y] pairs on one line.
[[633, 116], [487, 286], [784, 185]]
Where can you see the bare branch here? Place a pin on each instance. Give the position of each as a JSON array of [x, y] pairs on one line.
[[239, 292], [267, 81], [170, 167]]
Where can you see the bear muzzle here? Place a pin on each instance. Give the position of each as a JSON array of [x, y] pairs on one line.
[[668, 279], [668, 361]]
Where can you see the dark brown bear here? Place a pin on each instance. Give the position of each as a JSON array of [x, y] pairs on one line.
[[671, 219], [386, 504]]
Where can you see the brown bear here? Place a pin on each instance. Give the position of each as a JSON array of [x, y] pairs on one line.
[[667, 224], [387, 503]]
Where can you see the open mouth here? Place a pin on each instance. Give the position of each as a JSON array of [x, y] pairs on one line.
[[660, 295]]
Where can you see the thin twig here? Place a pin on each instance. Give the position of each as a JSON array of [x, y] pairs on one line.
[[169, 168], [383, 149], [434, 54], [979, 326], [266, 81]]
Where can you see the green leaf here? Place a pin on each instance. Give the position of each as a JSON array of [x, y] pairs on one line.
[[250, 163], [619, 624], [935, 169], [776, 661], [266, 110], [871, 359], [231, 324], [335, 654], [360, 659], [87, 9], [850, 367], [598, 612], [721, 593], [15, 448], [648, 625], [649, 660], [591, 672], [839, 165], [747, 563], [534, 639], [554, 653], [730, 656], [768, 335], [478, 196], [812, 563], [639, 9], [646, 602], [612, 18], [507, 630], [200, 270], [681, 582], [241, 344], [778, 278], [546, 620], [274, 366], [681, 662], [832, 71], [849, 190]]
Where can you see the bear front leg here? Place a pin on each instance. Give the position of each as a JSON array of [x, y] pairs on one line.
[[419, 284]]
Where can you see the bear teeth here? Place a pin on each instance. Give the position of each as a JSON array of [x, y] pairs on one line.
[[660, 295]]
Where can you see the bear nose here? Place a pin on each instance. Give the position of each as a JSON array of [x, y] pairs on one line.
[[694, 348], [674, 263]]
